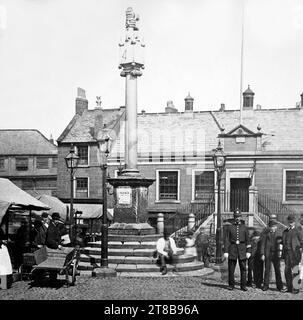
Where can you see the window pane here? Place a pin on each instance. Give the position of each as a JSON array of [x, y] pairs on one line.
[[54, 162], [83, 155], [294, 185], [168, 185], [2, 163], [21, 164], [42, 163], [204, 185], [81, 187]]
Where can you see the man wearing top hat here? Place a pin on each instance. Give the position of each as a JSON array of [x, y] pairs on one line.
[[271, 253], [237, 247], [292, 251]]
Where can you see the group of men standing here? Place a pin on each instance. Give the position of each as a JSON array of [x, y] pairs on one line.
[[48, 231], [261, 251]]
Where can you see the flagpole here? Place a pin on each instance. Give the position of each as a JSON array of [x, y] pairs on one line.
[[241, 71]]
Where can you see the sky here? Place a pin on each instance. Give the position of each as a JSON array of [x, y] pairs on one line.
[[48, 48]]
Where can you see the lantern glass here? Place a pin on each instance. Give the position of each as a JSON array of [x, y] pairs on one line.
[[219, 157], [72, 160]]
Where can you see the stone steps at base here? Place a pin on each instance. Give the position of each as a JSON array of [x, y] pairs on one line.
[[181, 267], [140, 238], [125, 252], [126, 244], [130, 259]]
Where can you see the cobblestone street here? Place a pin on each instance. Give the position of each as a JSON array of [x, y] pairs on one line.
[[208, 287]]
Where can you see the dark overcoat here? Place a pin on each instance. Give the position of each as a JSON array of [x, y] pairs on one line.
[[53, 236], [296, 241], [236, 241], [265, 243]]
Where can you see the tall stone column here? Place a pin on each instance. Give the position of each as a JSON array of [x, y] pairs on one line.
[[131, 187]]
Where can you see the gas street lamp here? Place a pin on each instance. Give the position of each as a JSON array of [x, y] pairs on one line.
[[103, 152], [72, 161], [219, 159]]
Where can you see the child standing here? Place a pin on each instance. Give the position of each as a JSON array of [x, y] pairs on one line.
[[255, 264]]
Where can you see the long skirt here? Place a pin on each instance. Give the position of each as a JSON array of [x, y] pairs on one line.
[[5, 262]]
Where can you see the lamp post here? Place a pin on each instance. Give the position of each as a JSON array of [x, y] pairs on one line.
[[219, 159], [72, 161], [103, 152]]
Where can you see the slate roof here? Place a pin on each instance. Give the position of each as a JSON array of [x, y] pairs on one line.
[[80, 129], [181, 133], [282, 128], [25, 142], [185, 132]]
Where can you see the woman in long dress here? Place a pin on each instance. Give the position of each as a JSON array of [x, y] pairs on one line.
[[5, 260]]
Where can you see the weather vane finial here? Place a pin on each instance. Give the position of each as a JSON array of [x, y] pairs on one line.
[[131, 19]]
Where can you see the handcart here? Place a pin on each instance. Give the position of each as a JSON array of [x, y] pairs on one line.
[[63, 261]]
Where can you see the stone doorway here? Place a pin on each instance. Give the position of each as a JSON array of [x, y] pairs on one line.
[[239, 194]]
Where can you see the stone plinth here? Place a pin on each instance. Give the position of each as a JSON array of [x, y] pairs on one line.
[[103, 272], [131, 197]]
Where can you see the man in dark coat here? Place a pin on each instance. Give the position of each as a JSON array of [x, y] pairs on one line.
[[292, 251], [53, 234], [53, 239], [271, 253], [237, 247]]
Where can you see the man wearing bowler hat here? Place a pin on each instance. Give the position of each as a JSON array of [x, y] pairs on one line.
[[237, 247], [271, 253], [292, 251]]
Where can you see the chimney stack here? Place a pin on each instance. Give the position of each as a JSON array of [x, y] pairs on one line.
[[189, 103], [51, 139], [302, 100], [81, 101], [222, 108], [258, 107], [170, 108], [98, 124]]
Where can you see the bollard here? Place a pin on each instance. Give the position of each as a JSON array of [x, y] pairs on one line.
[[160, 223]]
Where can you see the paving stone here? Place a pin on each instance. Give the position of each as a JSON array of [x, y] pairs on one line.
[[202, 284]]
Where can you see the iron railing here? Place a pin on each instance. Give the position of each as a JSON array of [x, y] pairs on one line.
[[269, 205], [178, 223]]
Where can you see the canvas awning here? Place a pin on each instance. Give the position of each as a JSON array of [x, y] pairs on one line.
[[55, 205], [92, 211], [12, 196]]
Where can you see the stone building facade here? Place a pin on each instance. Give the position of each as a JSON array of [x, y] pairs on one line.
[[29, 160], [264, 156]]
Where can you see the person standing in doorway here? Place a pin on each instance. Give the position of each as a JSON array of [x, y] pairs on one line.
[[237, 247]]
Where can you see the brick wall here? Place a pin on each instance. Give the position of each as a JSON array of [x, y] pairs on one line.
[[269, 180]]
